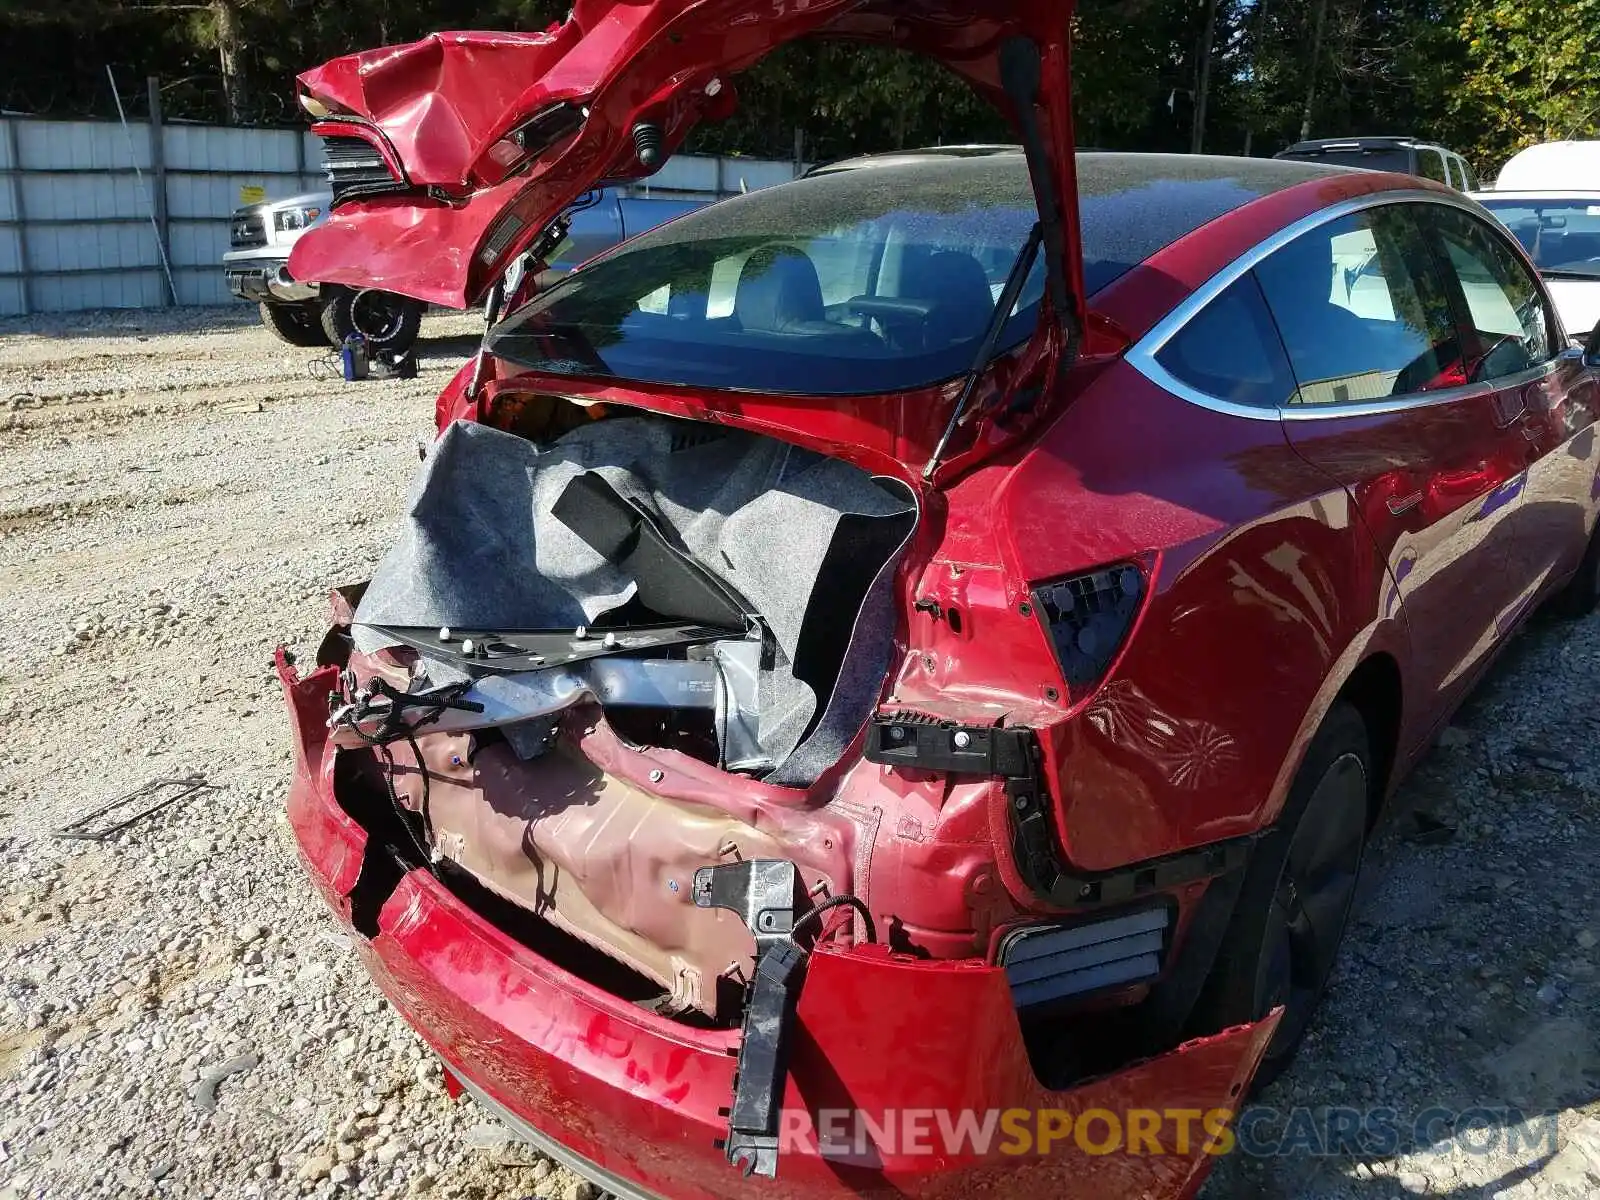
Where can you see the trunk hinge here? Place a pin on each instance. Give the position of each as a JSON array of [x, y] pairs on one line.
[[1013, 754]]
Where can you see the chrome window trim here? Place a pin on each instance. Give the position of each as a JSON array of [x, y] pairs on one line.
[[1497, 231], [1142, 357], [1314, 412]]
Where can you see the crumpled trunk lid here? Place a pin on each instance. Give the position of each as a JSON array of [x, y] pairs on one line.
[[486, 137]]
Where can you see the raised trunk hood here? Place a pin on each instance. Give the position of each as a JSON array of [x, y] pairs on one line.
[[442, 110]]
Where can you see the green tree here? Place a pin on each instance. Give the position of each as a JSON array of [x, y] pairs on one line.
[[1532, 73]]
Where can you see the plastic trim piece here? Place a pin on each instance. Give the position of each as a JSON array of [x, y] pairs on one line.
[[765, 894], [1045, 963], [928, 744]]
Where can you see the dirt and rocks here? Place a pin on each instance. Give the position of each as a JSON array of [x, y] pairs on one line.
[[179, 1016]]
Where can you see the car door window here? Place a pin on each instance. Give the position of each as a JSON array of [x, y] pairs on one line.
[[1453, 165], [1507, 326], [1231, 351], [1361, 310], [1430, 165]]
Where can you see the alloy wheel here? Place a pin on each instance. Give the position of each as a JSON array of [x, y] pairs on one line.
[[1313, 898]]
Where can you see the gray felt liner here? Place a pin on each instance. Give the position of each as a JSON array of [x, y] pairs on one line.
[[479, 548]]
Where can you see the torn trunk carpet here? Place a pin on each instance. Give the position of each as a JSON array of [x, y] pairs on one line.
[[504, 534]]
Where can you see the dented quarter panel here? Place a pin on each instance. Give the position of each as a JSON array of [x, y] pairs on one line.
[[1259, 553]]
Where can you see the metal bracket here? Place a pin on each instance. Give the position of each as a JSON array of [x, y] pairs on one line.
[[765, 894], [157, 795], [927, 744]]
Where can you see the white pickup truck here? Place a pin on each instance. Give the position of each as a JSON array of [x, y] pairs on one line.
[[305, 313]]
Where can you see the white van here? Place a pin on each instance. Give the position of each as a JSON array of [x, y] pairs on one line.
[[1549, 197], [1552, 167]]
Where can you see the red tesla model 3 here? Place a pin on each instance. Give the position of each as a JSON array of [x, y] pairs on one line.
[[931, 638]]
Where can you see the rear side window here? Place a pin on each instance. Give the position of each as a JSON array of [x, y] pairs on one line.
[[1230, 350], [1430, 165], [1461, 174], [1361, 310], [1507, 327]]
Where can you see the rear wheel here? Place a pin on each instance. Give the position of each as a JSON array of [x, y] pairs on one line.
[[1582, 593], [297, 324], [1284, 937], [388, 322]]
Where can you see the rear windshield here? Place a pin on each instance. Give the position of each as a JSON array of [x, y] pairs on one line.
[[867, 281], [1371, 160], [1560, 233]]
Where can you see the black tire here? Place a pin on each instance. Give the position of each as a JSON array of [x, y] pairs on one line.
[[389, 322], [297, 324], [1284, 936], [1582, 593]]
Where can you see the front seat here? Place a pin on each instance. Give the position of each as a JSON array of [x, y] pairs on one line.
[[957, 288], [779, 292]]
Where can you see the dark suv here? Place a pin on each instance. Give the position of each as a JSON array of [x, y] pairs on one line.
[[1408, 155]]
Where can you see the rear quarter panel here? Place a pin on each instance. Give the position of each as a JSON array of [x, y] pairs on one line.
[[1265, 593]]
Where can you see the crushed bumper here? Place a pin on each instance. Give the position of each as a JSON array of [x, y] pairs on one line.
[[631, 1099]]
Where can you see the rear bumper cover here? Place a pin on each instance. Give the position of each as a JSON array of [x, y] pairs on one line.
[[631, 1099]]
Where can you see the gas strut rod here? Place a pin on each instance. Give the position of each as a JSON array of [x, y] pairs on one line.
[[541, 249], [1020, 270]]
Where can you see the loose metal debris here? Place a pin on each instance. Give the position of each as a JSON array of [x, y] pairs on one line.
[[159, 793]]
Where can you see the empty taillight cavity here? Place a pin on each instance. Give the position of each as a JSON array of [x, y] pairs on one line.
[[1089, 617]]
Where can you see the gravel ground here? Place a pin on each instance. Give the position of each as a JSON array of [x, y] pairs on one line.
[[180, 490]]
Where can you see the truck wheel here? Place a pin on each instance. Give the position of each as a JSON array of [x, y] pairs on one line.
[[1289, 920], [297, 324], [388, 322]]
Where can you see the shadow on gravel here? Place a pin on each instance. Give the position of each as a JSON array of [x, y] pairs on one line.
[[456, 348], [132, 322]]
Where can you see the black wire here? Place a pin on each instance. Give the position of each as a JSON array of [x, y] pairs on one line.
[[836, 902], [400, 811], [326, 366], [427, 817], [394, 729]]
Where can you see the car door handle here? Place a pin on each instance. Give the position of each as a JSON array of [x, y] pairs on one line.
[[1400, 505]]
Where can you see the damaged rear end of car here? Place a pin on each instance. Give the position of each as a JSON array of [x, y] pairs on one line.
[[684, 788]]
